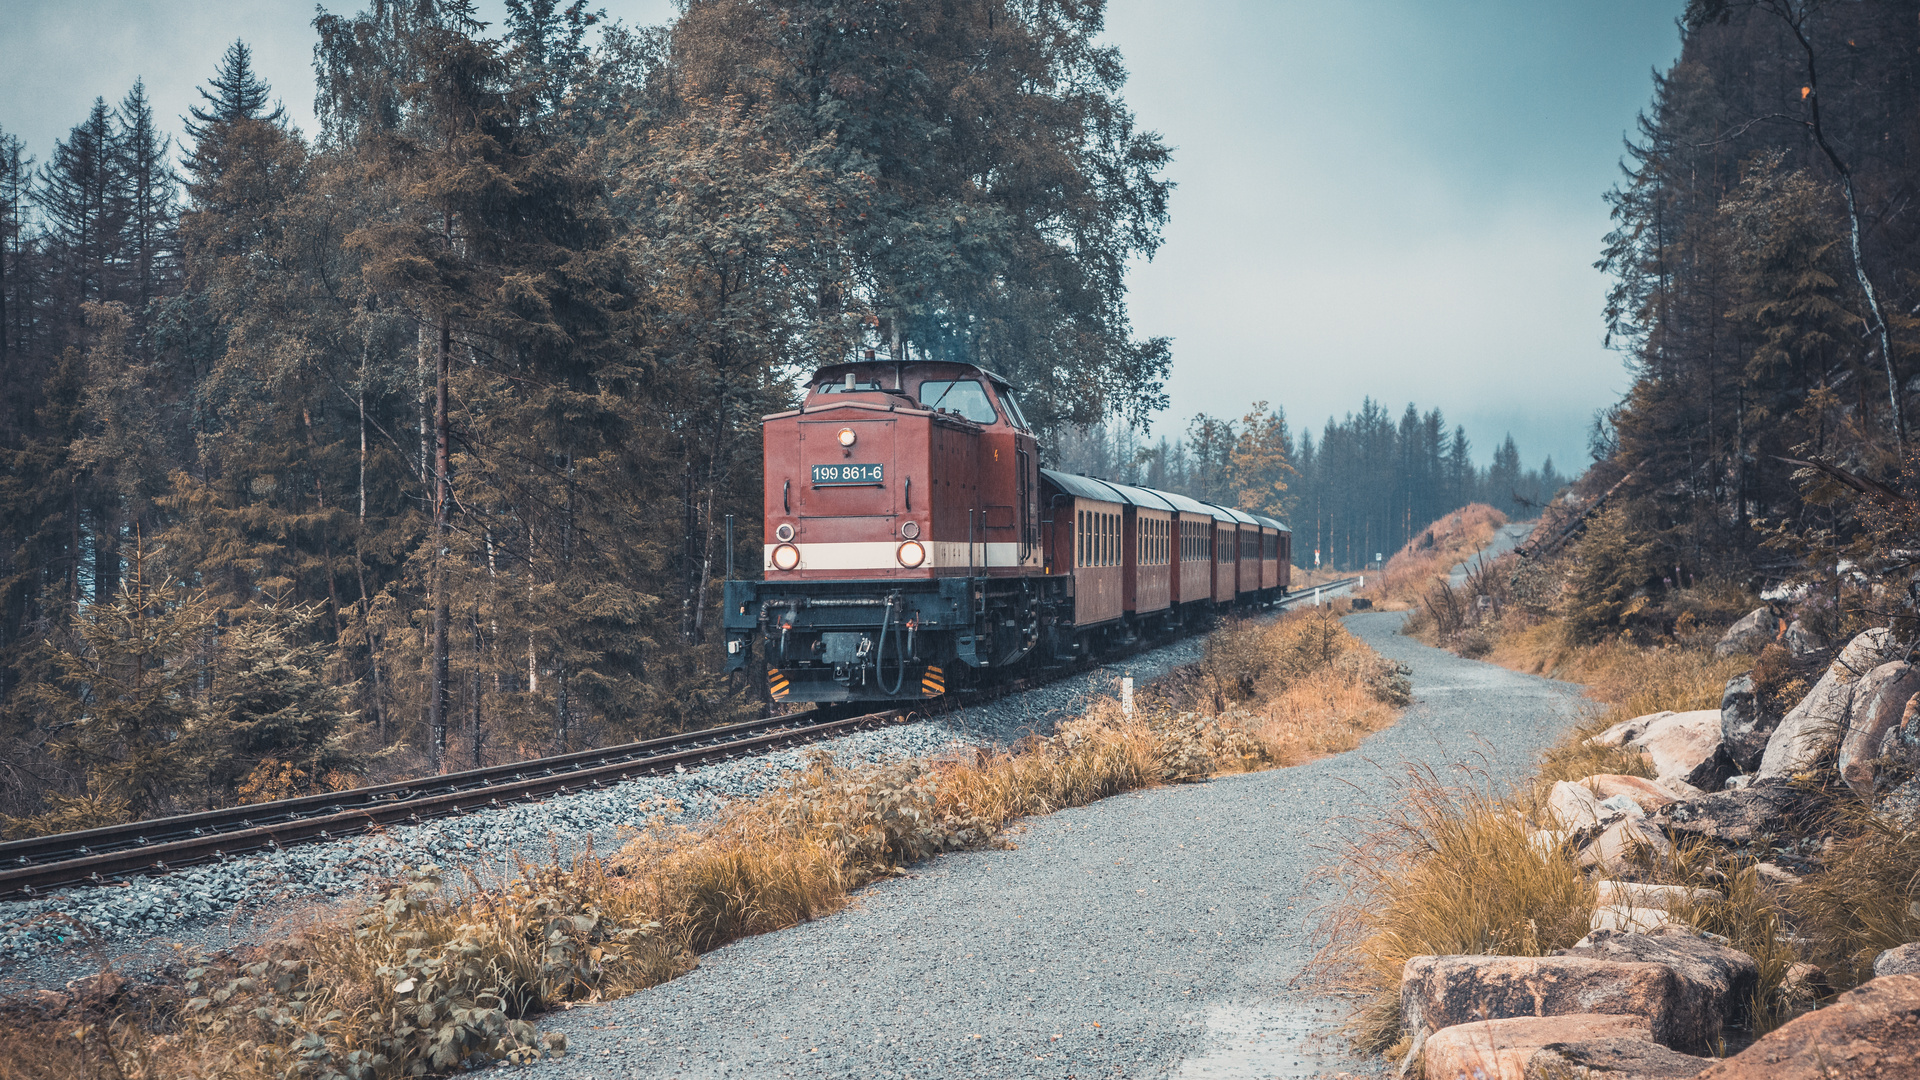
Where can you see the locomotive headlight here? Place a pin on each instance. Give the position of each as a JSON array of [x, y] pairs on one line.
[[784, 532], [910, 529], [912, 554], [786, 557], [847, 437]]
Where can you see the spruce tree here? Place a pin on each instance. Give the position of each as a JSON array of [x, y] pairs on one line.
[[124, 696]]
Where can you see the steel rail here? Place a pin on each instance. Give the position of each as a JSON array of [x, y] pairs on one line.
[[140, 834], [331, 821]]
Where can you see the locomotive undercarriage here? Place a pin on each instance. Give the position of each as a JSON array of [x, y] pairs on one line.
[[884, 640]]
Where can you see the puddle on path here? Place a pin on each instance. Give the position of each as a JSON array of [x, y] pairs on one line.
[[1272, 1040]]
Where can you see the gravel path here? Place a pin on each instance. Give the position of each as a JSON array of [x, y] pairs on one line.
[[1504, 540], [1153, 934]]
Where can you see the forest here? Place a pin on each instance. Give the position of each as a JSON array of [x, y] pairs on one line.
[[1766, 264], [1365, 488], [406, 444]]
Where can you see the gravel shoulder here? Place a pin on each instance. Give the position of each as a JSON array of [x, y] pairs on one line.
[[1163, 933]]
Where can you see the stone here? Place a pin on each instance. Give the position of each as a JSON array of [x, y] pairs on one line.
[[1761, 811], [1490, 1049], [1870, 1033], [1899, 960], [1811, 730], [1547, 841], [1750, 634], [1804, 984], [1744, 725], [1801, 641], [1572, 806], [1880, 706], [1626, 731], [1774, 874], [1627, 919], [1663, 897], [1713, 985], [1622, 804], [1439, 992], [1651, 796], [1612, 1059], [1624, 844], [1685, 746]]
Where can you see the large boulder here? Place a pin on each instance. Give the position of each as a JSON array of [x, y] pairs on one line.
[[1749, 635], [1812, 729], [1626, 731], [1714, 985], [1744, 725], [1612, 1059], [1760, 811], [1872, 1033], [1489, 1049], [1439, 992], [1899, 960], [1664, 897], [1873, 722], [1650, 796], [1626, 843], [1572, 806], [1685, 747]]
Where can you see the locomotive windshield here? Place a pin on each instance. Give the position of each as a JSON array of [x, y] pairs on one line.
[[964, 396]]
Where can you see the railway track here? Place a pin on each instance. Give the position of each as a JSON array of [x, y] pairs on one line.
[[35, 866]]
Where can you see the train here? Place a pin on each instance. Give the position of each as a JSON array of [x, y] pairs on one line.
[[914, 546]]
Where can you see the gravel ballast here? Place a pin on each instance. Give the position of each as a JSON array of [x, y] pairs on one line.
[[1162, 933]]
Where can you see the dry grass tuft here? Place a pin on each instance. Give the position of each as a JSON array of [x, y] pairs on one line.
[[1451, 870], [1866, 897]]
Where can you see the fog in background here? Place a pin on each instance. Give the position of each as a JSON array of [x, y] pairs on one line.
[[1395, 199]]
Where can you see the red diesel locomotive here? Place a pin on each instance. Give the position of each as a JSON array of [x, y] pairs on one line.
[[913, 543]]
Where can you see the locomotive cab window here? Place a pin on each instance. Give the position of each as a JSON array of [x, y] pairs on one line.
[[963, 396], [1013, 410], [840, 386]]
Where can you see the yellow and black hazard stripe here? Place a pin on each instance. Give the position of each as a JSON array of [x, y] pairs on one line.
[[776, 684], [933, 682]]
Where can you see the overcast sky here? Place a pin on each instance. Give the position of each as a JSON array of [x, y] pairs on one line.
[[1394, 198]]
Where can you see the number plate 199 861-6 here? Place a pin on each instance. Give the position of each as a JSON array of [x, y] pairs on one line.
[[828, 475]]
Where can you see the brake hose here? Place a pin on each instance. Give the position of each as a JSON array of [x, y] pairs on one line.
[[880, 656]]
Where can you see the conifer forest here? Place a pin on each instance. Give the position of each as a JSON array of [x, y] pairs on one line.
[[407, 444], [1766, 263]]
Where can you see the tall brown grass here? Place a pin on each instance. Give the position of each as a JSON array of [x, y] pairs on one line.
[[446, 973], [1431, 556]]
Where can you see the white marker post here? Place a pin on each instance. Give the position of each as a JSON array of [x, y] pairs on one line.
[[1126, 697]]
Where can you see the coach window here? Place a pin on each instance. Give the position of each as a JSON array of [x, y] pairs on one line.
[[963, 396]]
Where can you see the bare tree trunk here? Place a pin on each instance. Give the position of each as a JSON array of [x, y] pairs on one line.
[[360, 564], [474, 691], [437, 675], [1796, 20]]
